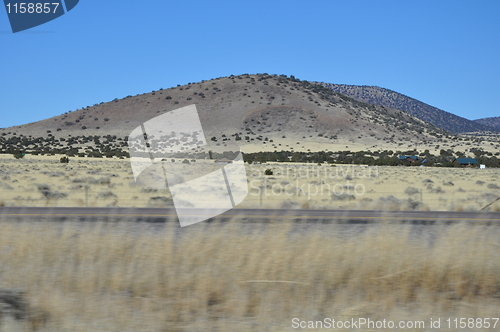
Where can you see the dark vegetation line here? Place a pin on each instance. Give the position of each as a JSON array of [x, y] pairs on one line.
[[77, 146], [375, 158], [112, 146]]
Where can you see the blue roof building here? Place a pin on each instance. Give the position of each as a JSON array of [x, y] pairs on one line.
[[410, 159], [466, 161]]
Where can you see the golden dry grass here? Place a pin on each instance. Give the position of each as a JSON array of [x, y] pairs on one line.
[[247, 277], [96, 182]]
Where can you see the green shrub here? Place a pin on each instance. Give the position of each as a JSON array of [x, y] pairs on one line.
[[18, 154]]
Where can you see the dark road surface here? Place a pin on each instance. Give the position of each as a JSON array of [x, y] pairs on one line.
[[325, 216]]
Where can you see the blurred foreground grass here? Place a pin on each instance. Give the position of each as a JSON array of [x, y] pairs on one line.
[[118, 276]]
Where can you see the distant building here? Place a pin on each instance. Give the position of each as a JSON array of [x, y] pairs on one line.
[[466, 161], [408, 159]]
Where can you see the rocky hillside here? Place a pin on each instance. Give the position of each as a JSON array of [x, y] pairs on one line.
[[268, 112], [388, 98], [490, 122]]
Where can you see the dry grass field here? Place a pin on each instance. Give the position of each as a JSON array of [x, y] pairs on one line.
[[377, 188], [44, 181], [240, 275], [237, 276]]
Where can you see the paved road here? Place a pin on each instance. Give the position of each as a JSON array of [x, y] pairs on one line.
[[341, 216]]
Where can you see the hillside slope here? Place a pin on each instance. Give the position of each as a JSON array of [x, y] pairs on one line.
[[263, 112], [388, 98], [490, 122]]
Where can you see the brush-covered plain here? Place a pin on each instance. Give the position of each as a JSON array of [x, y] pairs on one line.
[[97, 182]]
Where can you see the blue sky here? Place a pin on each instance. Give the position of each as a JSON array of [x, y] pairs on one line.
[[444, 53]]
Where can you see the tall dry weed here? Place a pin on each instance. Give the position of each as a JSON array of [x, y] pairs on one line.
[[240, 276]]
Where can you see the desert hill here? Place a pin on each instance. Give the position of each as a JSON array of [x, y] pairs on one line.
[[490, 122], [263, 112], [388, 98]]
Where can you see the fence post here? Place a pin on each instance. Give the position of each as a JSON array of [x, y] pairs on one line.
[[87, 196]]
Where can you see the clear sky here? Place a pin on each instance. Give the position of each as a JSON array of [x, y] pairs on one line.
[[444, 53]]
